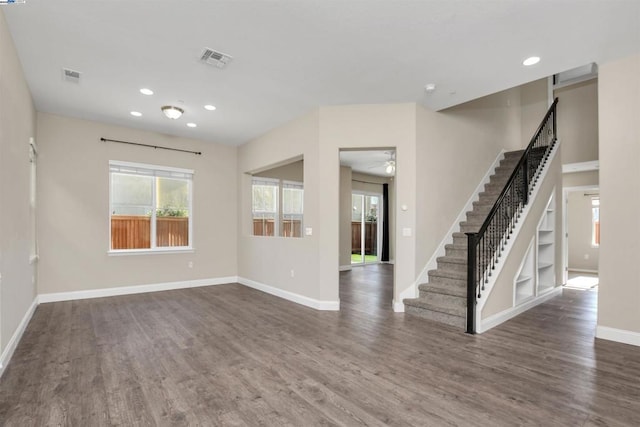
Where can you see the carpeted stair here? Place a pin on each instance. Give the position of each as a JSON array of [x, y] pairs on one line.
[[444, 298]]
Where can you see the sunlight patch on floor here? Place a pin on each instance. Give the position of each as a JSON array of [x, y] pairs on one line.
[[582, 282]]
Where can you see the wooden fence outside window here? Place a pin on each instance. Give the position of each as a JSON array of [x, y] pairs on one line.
[[134, 232]]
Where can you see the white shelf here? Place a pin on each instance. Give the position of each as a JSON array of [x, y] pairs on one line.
[[546, 251], [524, 284]]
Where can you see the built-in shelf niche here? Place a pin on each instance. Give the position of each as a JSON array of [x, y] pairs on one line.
[[546, 248], [524, 283]]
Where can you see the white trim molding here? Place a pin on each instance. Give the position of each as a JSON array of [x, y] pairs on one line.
[[130, 290], [618, 335], [291, 296], [17, 336], [593, 165], [345, 267], [484, 325], [582, 270]]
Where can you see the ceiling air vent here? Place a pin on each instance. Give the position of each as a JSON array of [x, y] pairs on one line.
[[69, 75], [216, 58]]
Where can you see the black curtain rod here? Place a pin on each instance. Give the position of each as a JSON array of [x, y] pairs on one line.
[[197, 153]]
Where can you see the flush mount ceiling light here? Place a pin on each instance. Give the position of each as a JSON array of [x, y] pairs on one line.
[[532, 60], [391, 167], [210, 107], [172, 112], [146, 91], [430, 87], [136, 114], [192, 125]]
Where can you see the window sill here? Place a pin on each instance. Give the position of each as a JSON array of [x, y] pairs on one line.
[[126, 252]]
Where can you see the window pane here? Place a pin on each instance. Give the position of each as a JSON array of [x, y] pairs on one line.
[[131, 194], [132, 198], [172, 212], [264, 209], [292, 210], [595, 221], [356, 201]]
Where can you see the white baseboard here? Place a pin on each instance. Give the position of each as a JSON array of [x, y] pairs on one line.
[[618, 335], [345, 267], [129, 290], [17, 335], [496, 319], [582, 270], [398, 307], [297, 298]]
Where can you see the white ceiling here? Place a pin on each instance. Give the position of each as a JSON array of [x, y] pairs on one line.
[[291, 56], [371, 162]]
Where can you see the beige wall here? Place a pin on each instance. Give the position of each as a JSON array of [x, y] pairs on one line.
[[578, 121], [534, 100], [345, 216], [619, 134], [454, 151], [579, 229], [290, 172], [269, 260], [368, 127], [502, 294], [73, 220], [17, 125], [580, 179]]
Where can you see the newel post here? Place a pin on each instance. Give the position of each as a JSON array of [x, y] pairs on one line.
[[472, 239]]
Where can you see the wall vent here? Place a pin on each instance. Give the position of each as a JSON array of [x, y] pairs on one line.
[[216, 58], [69, 75]]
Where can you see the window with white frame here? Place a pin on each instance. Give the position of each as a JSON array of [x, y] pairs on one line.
[[265, 206], [595, 222], [292, 203], [150, 207], [277, 207]]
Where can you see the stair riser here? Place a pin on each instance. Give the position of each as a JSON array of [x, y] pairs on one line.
[[445, 265], [460, 240], [476, 218], [448, 319], [456, 252], [448, 281], [470, 228], [445, 300]]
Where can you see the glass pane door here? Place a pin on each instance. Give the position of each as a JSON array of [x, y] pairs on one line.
[[364, 228], [357, 201]]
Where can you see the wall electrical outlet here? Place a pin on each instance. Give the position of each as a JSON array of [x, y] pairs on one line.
[[293, 273], [190, 264]]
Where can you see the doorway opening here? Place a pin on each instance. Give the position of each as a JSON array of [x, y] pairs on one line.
[[581, 238], [367, 227]]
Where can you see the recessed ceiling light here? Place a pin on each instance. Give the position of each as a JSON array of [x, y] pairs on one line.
[[430, 87], [136, 113], [192, 125], [146, 91], [209, 107], [533, 60]]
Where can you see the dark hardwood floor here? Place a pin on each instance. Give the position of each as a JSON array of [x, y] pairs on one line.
[[230, 355]]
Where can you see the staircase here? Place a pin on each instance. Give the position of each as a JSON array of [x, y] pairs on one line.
[[444, 298]]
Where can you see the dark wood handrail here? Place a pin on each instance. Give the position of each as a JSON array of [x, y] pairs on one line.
[[485, 245]]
